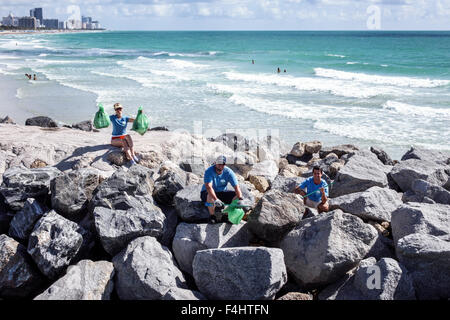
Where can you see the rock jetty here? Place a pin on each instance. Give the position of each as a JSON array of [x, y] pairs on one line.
[[79, 223]]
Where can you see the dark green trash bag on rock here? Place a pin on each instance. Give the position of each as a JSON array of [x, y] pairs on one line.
[[140, 124], [101, 119]]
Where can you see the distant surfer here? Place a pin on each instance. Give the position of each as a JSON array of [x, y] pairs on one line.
[[253, 61]]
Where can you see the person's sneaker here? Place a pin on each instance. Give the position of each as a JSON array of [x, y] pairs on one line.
[[132, 162], [136, 159], [212, 220]]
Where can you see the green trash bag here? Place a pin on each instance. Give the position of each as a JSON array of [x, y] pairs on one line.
[[140, 124], [101, 119], [235, 214]]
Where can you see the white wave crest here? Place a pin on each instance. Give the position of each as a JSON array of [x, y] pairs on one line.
[[333, 86], [408, 109], [380, 80]]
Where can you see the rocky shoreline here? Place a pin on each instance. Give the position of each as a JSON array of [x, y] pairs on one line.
[[77, 222]]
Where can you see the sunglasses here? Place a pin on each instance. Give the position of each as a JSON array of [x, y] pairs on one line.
[[118, 109]]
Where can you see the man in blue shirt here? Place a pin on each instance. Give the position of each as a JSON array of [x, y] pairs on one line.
[[214, 192], [319, 189]]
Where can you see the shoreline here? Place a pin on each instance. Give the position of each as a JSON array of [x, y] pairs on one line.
[[12, 32]]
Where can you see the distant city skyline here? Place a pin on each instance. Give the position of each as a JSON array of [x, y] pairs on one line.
[[247, 14]]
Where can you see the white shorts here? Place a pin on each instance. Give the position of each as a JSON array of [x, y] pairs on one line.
[[313, 204]]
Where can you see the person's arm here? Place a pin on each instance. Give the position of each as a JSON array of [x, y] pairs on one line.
[[238, 195], [210, 190], [130, 119], [299, 189]]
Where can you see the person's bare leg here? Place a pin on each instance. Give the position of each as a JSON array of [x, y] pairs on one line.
[[122, 144], [323, 207], [210, 209], [130, 144]]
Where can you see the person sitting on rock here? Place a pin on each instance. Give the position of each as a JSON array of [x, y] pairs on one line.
[[120, 138], [317, 190], [214, 193]]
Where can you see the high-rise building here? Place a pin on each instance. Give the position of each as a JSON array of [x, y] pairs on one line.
[[61, 25], [28, 23], [51, 23], [10, 21], [37, 13]]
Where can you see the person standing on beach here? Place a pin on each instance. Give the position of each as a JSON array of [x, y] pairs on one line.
[[317, 190], [278, 70], [34, 77], [214, 193], [120, 138]]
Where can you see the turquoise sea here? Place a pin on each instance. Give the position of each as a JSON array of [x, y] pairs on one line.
[[385, 89]]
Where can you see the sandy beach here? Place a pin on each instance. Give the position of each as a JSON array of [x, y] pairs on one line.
[[13, 32]]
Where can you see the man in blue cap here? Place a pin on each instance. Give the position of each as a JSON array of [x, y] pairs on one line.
[[214, 191]]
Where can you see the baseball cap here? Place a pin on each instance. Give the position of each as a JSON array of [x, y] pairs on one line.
[[221, 160]]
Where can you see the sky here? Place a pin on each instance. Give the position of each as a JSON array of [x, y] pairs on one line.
[[246, 14]]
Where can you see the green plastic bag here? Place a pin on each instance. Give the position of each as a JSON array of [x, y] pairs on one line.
[[101, 119], [140, 124], [235, 214]]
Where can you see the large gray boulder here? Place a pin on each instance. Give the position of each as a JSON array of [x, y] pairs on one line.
[[422, 190], [87, 280], [191, 238], [23, 222], [322, 249], [267, 169], [54, 243], [130, 218], [146, 270], [176, 293], [20, 183], [372, 280], [406, 172], [169, 183], [18, 277], [135, 182], [72, 191], [191, 209], [86, 125], [359, 174], [275, 215], [373, 204], [5, 220], [245, 273], [286, 184], [413, 217], [427, 259], [427, 155]]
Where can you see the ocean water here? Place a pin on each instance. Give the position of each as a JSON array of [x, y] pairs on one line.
[[384, 89]]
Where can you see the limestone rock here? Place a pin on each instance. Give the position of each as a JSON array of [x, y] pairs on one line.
[[382, 156], [427, 259], [372, 280], [427, 155], [322, 249], [359, 174], [412, 217], [375, 203], [18, 277], [19, 184], [298, 150], [23, 222], [275, 215], [244, 273], [406, 172], [72, 191], [339, 150], [313, 147], [191, 238], [146, 270], [54, 242], [87, 280], [84, 125]]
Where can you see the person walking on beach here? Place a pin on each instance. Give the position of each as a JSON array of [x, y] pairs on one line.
[[317, 190], [120, 138], [214, 193]]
